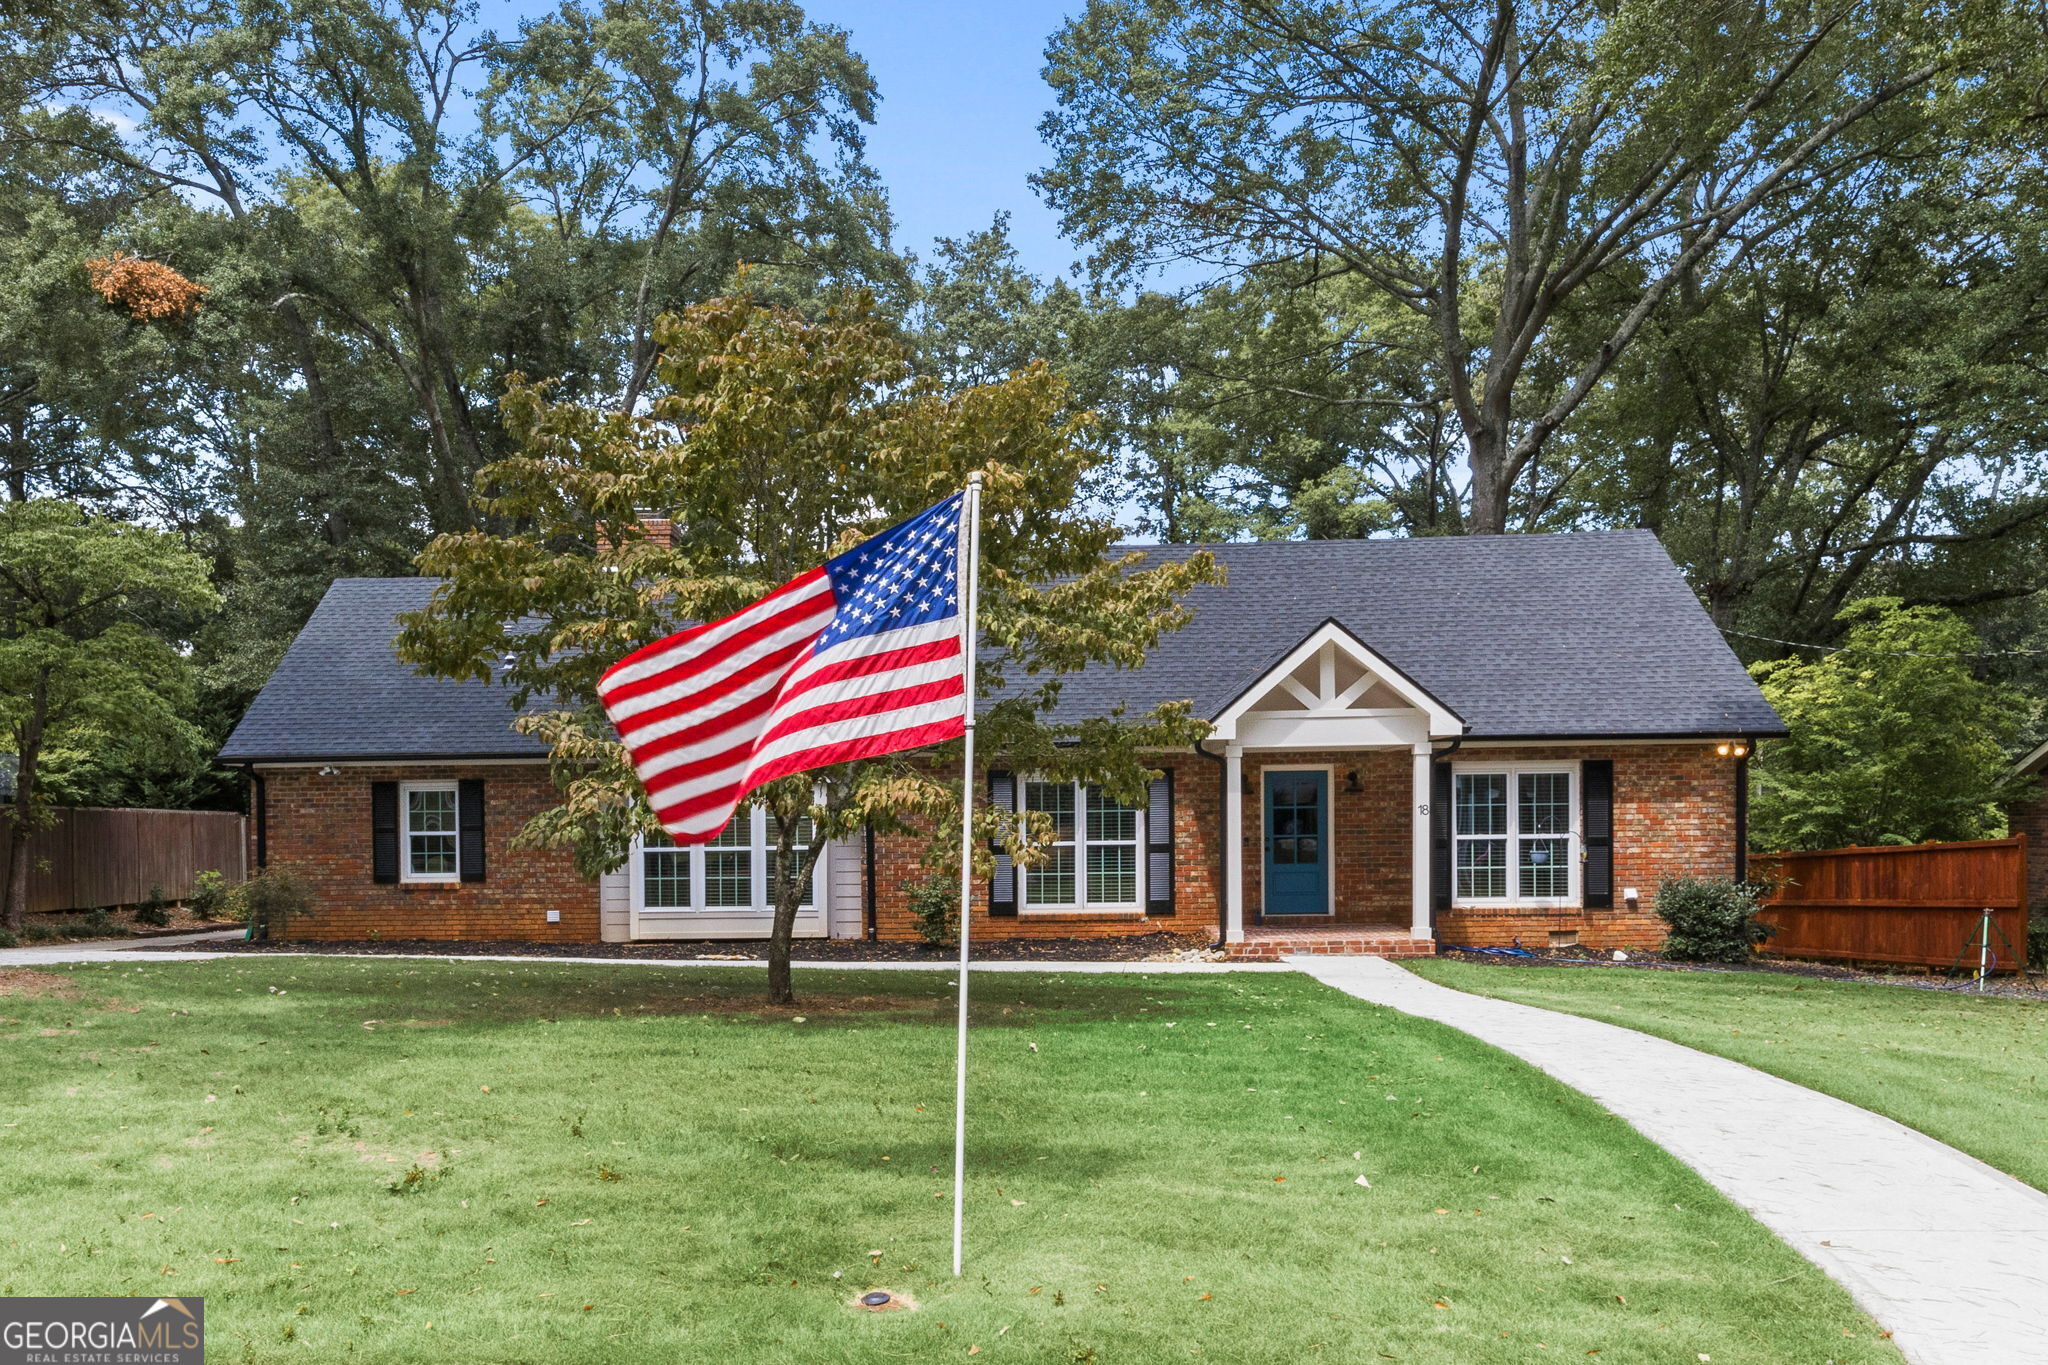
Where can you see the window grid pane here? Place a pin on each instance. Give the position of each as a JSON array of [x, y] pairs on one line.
[[1482, 803], [1052, 881], [1546, 871], [729, 865], [1055, 799], [1482, 868], [433, 855], [665, 877], [1110, 821], [1544, 804], [431, 812], [1113, 875]]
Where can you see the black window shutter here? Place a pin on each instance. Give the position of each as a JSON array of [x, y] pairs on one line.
[[469, 827], [1002, 886], [1159, 845], [384, 831], [1440, 835], [1596, 822]]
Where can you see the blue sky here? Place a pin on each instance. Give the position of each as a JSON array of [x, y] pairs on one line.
[[956, 134]]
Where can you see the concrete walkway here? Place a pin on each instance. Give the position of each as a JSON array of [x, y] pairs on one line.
[[1948, 1254]]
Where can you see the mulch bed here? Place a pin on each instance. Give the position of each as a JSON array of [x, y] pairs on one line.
[[2030, 988], [1130, 948]]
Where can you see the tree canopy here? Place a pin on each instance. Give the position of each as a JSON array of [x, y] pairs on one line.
[[1770, 284], [775, 440], [1893, 741], [80, 674]]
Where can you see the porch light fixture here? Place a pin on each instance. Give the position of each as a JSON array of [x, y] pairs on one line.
[[1351, 781], [1733, 748]]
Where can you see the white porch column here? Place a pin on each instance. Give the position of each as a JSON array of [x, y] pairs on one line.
[[1418, 848], [1233, 843]]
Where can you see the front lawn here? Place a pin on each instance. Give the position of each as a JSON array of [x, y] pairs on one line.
[[489, 1162], [1970, 1070]]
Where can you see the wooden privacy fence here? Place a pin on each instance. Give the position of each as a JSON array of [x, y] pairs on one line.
[[93, 857], [1914, 903]]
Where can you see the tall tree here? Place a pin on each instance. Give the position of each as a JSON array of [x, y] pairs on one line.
[[1893, 740], [77, 671], [775, 442], [407, 166], [1484, 164], [1852, 408]]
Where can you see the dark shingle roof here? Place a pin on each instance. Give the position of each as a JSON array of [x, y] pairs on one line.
[[1531, 636], [1590, 634], [342, 693]]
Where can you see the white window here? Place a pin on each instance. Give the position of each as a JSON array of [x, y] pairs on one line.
[[1093, 861], [428, 839], [1516, 835], [734, 873]]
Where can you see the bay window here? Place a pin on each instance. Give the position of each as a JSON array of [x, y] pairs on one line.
[[733, 874], [1516, 834]]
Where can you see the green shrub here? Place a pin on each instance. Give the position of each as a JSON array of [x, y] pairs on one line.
[[2037, 937], [272, 898], [98, 922], [1711, 920], [154, 908], [212, 898], [9, 939], [40, 931], [933, 902]]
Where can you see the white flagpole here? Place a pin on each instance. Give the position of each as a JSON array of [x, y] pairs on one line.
[[970, 584]]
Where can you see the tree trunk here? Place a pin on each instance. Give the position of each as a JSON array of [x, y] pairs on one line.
[[1491, 483], [29, 747], [788, 887]]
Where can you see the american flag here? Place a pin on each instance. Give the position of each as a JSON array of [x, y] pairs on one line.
[[859, 657]]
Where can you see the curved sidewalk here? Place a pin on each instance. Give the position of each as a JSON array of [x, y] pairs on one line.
[[1948, 1254]]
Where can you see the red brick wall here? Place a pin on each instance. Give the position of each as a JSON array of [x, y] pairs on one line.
[[1369, 835], [320, 828], [1197, 872], [1674, 816]]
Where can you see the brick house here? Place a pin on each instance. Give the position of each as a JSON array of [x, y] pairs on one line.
[[1469, 740]]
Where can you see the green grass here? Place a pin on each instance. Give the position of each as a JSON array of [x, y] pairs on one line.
[[634, 1164], [1970, 1070]]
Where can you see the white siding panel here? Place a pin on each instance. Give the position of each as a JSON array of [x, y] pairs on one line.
[[843, 893], [615, 906]]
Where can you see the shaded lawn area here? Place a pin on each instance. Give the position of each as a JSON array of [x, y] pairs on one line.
[[1970, 1070], [488, 1162]]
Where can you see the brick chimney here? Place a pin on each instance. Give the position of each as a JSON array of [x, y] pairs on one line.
[[659, 529]]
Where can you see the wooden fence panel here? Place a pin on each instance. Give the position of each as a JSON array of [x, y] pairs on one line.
[[1913, 904], [94, 856]]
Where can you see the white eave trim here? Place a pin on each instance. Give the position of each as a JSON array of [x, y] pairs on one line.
[[1440, 722], [2034, 761]]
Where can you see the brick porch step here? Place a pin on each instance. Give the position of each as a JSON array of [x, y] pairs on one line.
[[1266, 942]]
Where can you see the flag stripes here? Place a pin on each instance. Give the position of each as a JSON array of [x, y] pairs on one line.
[[857, 658]]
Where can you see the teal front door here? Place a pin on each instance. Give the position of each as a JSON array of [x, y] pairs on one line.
[[1297, 843]]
